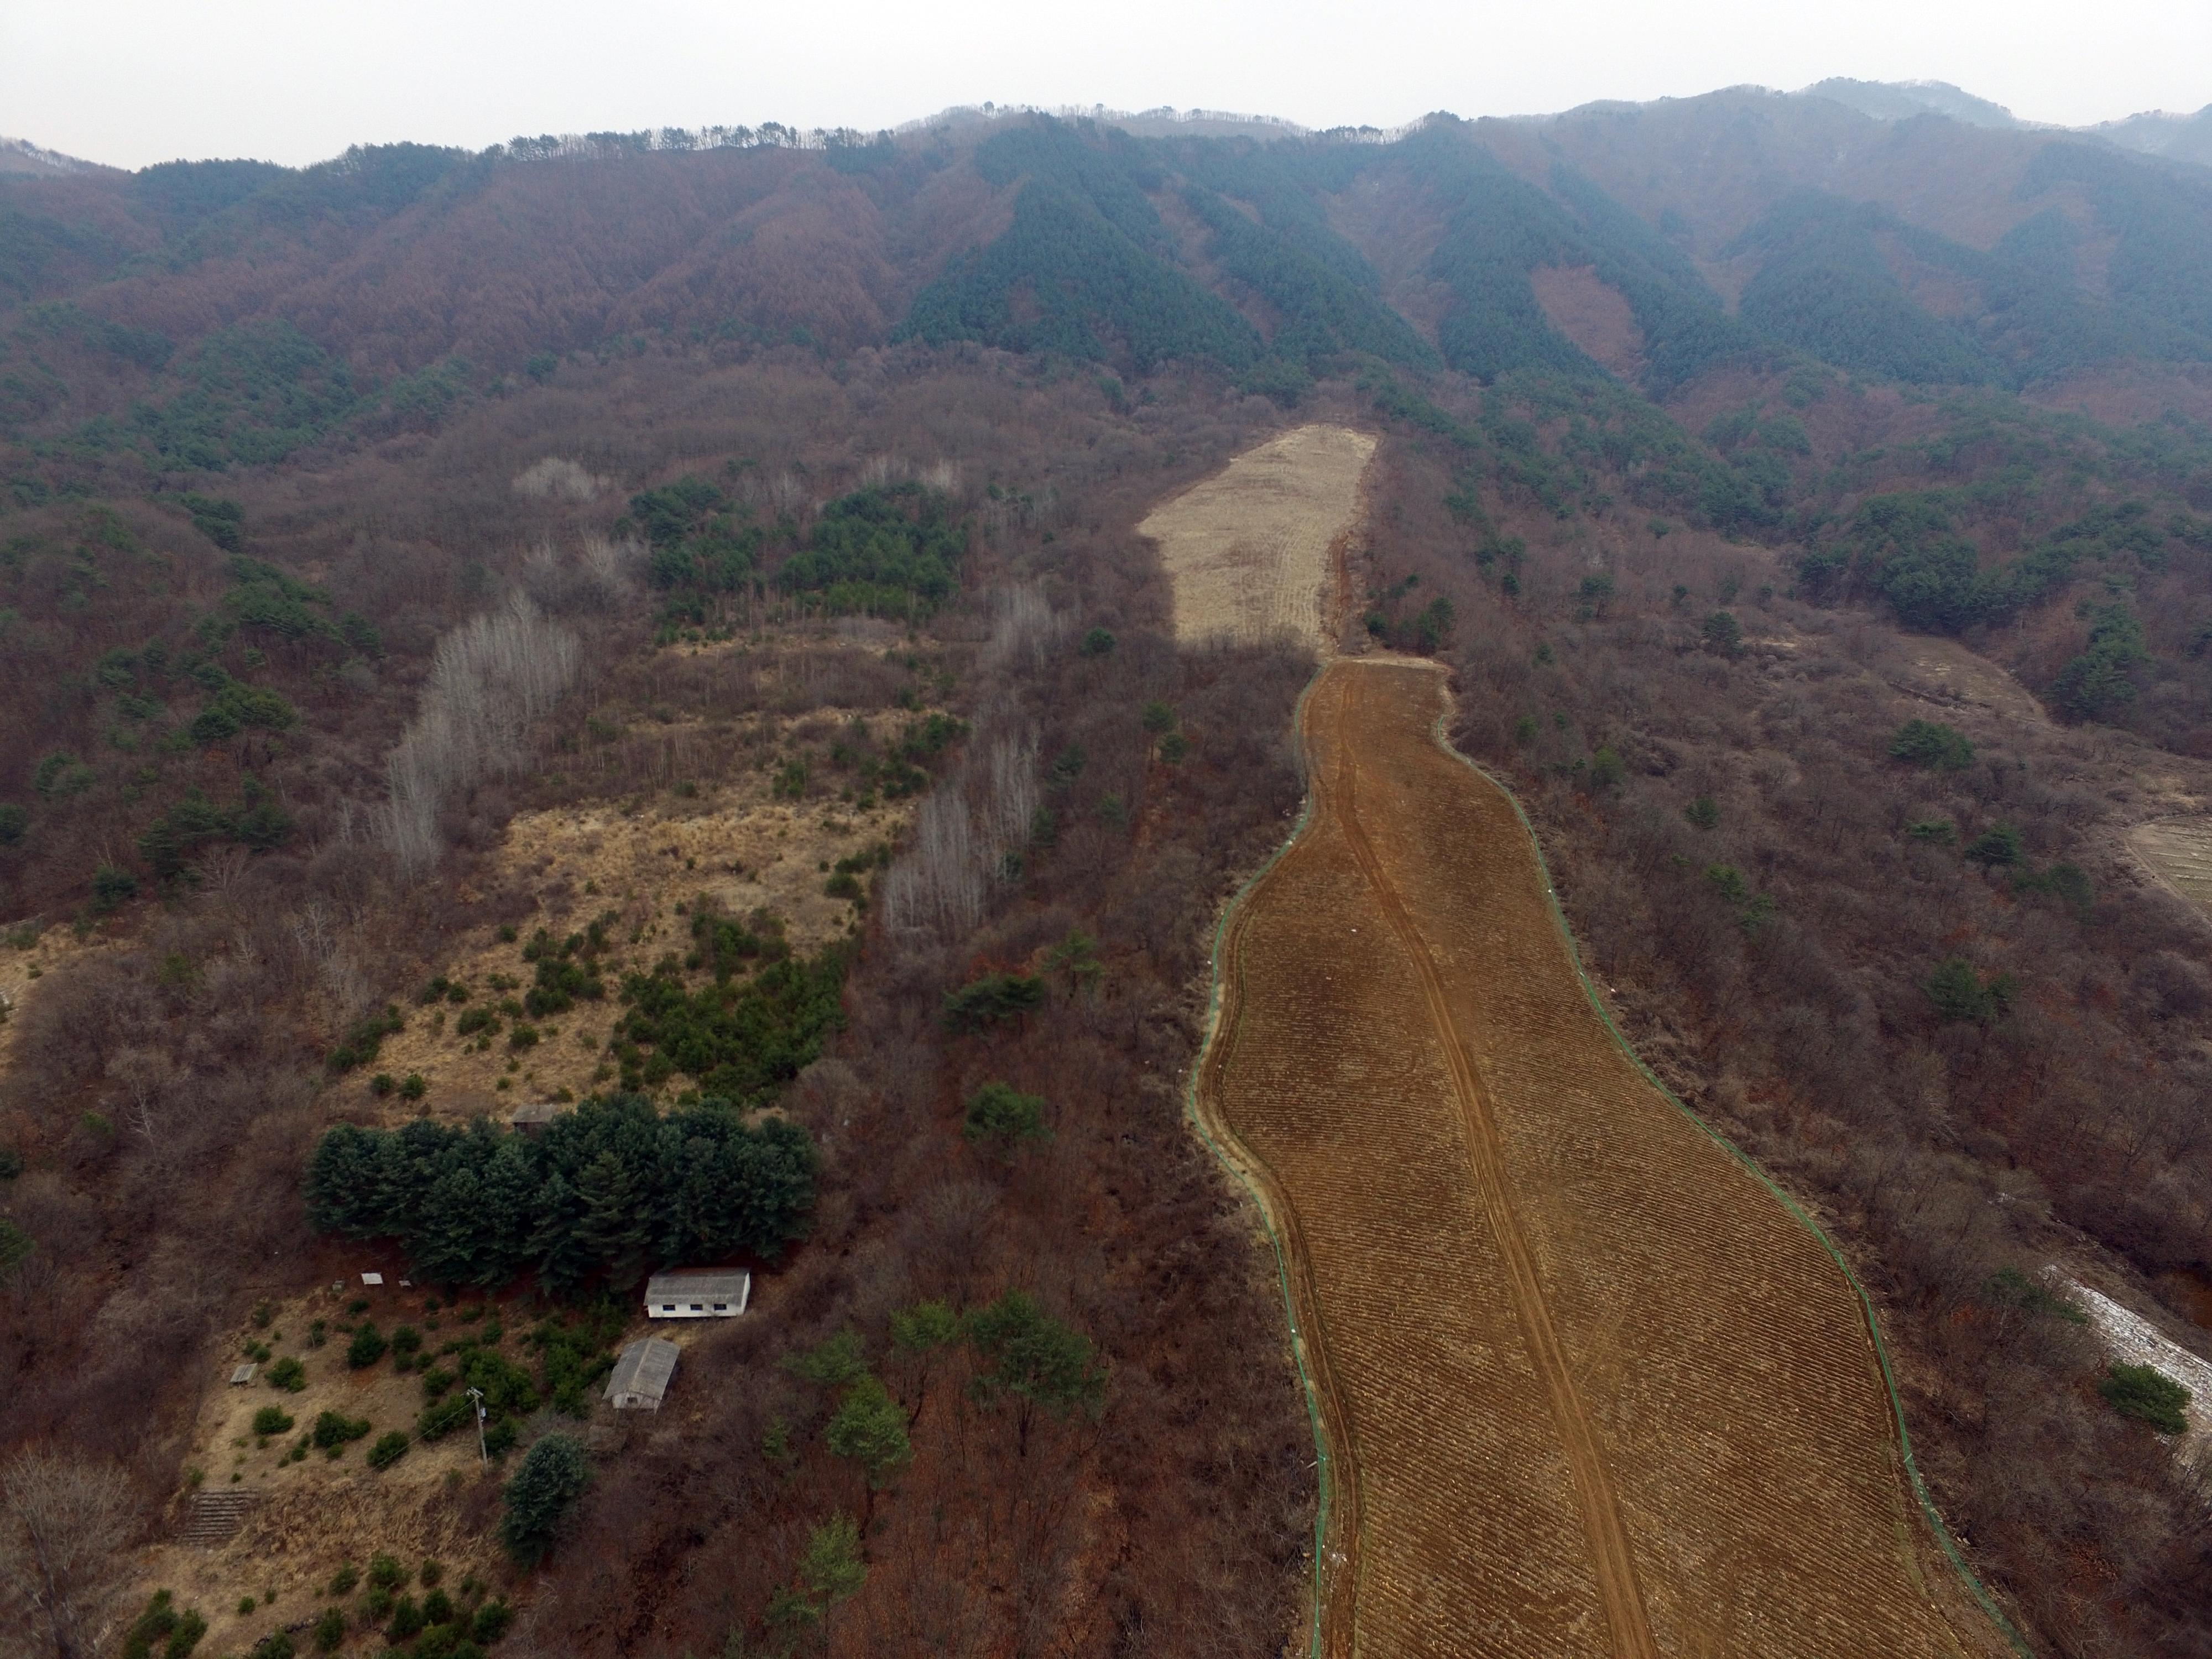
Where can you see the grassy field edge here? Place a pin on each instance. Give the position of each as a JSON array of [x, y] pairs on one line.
[[1251, 1172]]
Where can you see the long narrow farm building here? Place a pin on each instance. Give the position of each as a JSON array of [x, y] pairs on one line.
[[698, 1293]]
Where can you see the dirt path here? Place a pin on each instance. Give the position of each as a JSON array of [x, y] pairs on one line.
[[1610, 1563], [1586, 1387]]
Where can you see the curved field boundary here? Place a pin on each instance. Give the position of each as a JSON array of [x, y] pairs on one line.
[[1935, 1522], [1337, 1495], [1335, 1529]]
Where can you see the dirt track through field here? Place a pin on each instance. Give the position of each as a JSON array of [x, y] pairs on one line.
[[1610, 1564], [1588, 1388]]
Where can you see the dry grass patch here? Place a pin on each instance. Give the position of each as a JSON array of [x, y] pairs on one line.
[[22, 966], [1945, 671], [642, 869], [1247, 550], [2179, 852], [311, 1515]]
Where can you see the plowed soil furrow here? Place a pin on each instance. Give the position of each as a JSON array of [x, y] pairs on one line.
[[1590, 1389], [1606, 1539]]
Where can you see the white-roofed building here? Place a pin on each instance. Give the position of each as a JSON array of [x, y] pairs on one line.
[[642, 1375], [698, 1293]]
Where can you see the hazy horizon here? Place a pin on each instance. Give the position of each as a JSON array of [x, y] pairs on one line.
[[127, 83]]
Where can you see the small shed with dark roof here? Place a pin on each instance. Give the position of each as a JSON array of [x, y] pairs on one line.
[[532, 1119], [698, 1293], [642, 1375]]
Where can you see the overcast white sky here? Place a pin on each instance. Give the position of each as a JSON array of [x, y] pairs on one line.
[[132, 82]]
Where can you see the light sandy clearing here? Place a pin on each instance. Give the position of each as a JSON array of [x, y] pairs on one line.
[[1247, 549], [2179, 852], [312, 1517], [1944, 671], [2133, 1340]]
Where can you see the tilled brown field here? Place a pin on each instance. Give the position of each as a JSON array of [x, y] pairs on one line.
[[1590, 1388]]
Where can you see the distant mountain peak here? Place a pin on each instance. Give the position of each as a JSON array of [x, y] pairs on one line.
[[2161, 133], [21, 155], [1900, 100]]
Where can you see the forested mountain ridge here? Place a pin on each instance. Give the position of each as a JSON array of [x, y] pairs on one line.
[[565, 245]]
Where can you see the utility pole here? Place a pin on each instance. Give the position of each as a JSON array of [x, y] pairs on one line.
[[482, 1451]]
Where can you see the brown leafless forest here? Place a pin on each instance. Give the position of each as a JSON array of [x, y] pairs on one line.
[[350, 517]]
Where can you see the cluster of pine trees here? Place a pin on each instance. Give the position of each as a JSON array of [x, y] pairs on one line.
[[883, 549], [612, 1188], [1907, 547]]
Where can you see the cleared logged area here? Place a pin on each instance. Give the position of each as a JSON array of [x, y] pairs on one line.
[[1590, 1389], [2179, 854], [1247, 549]]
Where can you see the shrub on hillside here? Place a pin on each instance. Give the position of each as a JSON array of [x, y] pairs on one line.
[[995, 996], [1929, 745], [1961, 994], [389, 1448], [552, 1478], [999, 1112], [334, 1430], [2148, 1396]]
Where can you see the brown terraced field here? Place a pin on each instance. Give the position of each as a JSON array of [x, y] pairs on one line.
[[1590, 1388]]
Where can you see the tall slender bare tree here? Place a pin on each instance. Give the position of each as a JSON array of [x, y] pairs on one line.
[[489, 679], [63, 1523]]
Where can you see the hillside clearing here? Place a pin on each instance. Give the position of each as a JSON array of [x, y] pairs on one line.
[[309, 1516], [2131, 1339], [23, 965], [642, 868], [1943, 670], [2178, 852], [1247, 550]]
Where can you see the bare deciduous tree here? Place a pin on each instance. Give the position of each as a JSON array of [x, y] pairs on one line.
[[555, 479], [609, 563], [62, 1526], [1025, 628], [146, 1076], [489, 679], [1010, 791], [960, 851], [939, 882]]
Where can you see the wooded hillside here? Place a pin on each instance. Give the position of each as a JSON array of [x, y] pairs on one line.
[[1815, 511]]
